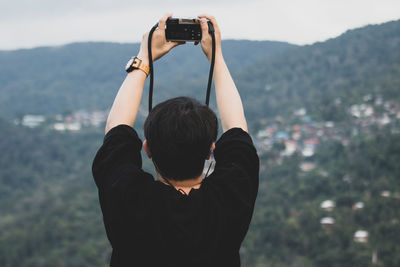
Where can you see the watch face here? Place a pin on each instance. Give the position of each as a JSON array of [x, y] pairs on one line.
[[129, 63]]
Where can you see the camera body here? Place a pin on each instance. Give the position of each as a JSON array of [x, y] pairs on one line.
[[178, 30]]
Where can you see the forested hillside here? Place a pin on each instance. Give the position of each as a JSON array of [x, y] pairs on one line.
[[286, 228], [50, 80], [49, 212], [325, 119], [359, 62]]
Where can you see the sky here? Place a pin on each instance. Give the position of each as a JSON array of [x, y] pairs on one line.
[[32, 23]]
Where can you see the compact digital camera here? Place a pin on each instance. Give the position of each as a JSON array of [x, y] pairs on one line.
[[188, 30]]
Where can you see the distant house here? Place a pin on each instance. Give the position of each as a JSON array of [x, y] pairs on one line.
[[281, 135], [369, 111], [346, 178], [313, 141], [270, 130], [73, 126], [290, 147], [355, 111], [267, 132], [98, 117], [307, 166], [384, 120], [378, 101], [328, 205], [296, 135], [385, 193], [300, 112], [59, 126], [361, 111], [261, 134], [358, 206], [361, 236], [327, 221], [329, 124], [367, 97], [308, 151], [32, 121]]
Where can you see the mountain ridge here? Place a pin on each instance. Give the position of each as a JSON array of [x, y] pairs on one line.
[[87, 75]]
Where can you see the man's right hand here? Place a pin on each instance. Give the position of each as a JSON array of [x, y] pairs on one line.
[[159, 44], [206, 40]]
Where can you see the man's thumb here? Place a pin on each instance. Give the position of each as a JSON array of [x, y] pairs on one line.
[[204, 26]]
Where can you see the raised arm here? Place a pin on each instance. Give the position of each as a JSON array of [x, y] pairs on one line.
[[228, 99], [127, 101]]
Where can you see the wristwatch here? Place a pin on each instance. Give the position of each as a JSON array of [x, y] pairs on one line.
[[136, 63]]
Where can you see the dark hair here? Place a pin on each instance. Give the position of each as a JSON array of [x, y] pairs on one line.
[[179, 133]]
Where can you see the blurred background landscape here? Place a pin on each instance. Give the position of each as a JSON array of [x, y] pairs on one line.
[[325, 118]]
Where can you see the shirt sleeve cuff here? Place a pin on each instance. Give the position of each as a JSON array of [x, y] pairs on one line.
[[122, 129]]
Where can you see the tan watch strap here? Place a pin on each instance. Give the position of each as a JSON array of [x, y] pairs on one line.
[[138, 64]]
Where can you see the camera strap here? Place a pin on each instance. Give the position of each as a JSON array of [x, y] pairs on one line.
[[211, 31]]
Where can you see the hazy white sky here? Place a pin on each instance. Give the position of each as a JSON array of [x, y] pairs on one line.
[[30, 23]]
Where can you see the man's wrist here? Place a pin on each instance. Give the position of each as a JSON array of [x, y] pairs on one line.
[[144, 58], [135, 63], [219, 56]]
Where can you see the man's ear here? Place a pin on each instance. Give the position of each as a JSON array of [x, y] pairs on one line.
[[146, 148], [212, 147]]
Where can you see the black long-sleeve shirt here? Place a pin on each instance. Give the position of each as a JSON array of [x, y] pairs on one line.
[[149, 223]]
